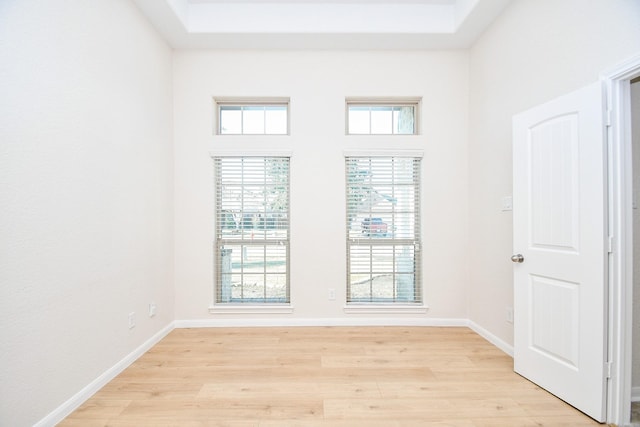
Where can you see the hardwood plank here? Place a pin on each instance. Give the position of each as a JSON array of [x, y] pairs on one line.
[[97, 408], [83, 422], [323, 423], [398, 361], [422, 409], [124, 389], [225, 409], [324, 376], [173, 421], [325, 389], [563, 421]]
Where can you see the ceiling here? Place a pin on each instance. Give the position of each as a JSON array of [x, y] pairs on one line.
[[321, 24]]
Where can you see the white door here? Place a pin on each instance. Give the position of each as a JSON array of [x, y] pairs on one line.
[[559, 201]]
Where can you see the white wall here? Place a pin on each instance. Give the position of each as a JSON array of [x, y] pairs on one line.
[[535, 51], [317, 83], [85, 193]]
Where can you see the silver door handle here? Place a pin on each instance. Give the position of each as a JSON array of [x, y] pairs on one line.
[[517, 258]]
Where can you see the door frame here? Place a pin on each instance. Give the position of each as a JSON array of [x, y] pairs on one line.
[[620, 305]]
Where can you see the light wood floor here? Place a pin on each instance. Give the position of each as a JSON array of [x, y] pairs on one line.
[[324, 376], [635, 412]]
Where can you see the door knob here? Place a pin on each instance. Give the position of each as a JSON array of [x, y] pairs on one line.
[[517, 258]]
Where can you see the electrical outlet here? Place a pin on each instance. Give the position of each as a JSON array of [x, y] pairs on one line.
[[332, 294], [510, 314], [507, 203], [152, 309], [132, 320]]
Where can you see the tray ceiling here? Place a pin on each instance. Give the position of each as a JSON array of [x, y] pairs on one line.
[[321, 24]]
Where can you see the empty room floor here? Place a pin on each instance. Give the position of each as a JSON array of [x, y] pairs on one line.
[[324, 376]]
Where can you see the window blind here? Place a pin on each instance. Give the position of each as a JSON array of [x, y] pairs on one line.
[[252, 229], [383, 229]]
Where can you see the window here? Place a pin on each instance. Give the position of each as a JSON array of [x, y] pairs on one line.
[[252, 229], [269, 117], [382, 118], [383, 230]]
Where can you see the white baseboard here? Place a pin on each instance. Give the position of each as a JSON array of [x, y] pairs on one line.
[[79, 398], [635, 394], [282, 322], [507, 348]]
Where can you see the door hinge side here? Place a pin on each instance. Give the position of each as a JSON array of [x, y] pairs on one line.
[[611, 243], [608, 117], [609, 369]]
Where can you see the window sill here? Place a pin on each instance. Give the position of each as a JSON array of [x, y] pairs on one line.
[[385, 309], [250, 309]]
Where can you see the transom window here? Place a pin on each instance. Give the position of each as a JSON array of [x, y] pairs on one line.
[[252, 229], [253, 118], [383, 230], [382, 118]]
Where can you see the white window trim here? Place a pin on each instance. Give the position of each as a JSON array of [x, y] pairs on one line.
[[391, 308], [250, 153], [383, 153], [243, 308]]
